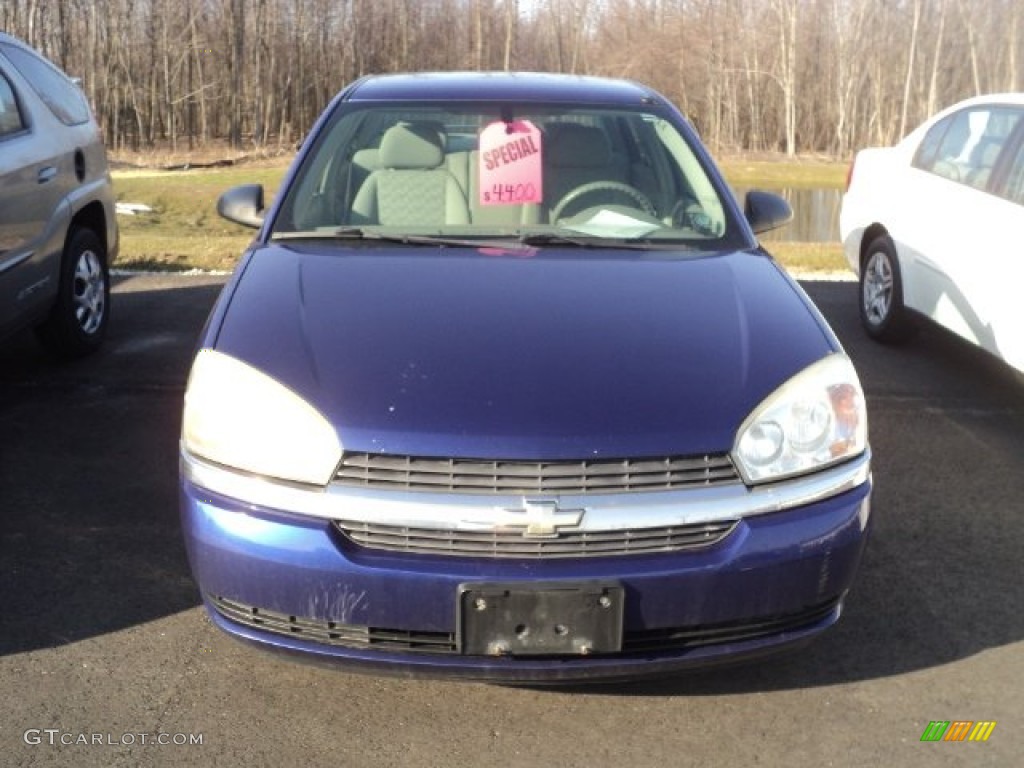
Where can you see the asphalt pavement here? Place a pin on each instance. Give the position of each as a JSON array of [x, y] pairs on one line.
[[106, 658]]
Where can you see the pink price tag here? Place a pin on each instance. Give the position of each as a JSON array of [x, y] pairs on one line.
[[510, 164]]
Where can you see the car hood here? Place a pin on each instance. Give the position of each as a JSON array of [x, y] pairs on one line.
[[550, 354]]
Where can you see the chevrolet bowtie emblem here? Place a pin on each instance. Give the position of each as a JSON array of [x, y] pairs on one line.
[[543, 519]]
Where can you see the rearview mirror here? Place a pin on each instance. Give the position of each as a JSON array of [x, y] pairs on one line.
[[243, 205], [766, 211]]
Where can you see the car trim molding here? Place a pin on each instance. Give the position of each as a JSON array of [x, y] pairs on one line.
[[459, 511], [12, 263]]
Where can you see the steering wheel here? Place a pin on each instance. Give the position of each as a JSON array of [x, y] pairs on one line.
[[596, 186], [688, 213]]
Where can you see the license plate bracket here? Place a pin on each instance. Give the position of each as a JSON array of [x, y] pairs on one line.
[[512, 619]]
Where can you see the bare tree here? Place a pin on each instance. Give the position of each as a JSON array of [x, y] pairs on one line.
[[808, 75], [786, 13], [236, 46], [910, 66]]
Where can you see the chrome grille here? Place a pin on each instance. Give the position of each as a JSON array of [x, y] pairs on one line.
[[506, 543], [412, 473]]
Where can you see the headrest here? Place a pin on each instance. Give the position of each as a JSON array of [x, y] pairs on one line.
[[577, 146], [410, 145]]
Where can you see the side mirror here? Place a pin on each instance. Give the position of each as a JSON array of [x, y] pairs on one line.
[[766, 211], [243, 205]]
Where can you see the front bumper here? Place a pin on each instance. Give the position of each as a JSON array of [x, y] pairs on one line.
[[295, 583]]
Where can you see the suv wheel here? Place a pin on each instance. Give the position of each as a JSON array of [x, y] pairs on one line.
[[78, 321]]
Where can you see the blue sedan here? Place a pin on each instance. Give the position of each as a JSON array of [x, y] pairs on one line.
[[506, 389]]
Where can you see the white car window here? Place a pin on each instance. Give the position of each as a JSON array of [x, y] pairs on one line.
[[965, 147], [1015, 180]]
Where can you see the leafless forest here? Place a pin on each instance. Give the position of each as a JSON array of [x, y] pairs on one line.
[[822, 76]]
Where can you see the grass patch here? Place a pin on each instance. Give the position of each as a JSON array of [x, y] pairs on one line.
[[184, 232], [784, 174]]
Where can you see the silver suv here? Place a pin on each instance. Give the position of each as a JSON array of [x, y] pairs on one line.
[[58, 234]]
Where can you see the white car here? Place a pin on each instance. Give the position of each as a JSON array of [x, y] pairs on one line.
[[934, 227]]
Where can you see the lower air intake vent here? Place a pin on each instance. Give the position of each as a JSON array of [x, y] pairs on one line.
[[648, 642]]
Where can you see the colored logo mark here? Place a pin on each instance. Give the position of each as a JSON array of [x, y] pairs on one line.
[[958, 730]]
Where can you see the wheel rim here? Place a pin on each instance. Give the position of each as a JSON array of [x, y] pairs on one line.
[[90, 292], [878, 286]]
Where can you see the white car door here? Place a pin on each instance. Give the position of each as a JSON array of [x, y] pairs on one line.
[[959, 236], [1006, 282]]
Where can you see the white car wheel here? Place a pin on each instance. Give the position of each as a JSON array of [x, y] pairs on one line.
[[881, 293]]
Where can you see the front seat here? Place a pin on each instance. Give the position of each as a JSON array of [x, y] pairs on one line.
[[411, 187], [575, 155]]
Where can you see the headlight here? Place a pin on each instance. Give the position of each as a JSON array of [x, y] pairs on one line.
[[241, 418], [815, 419]]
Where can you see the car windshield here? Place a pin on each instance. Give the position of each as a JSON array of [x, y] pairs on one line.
[[533, 174]]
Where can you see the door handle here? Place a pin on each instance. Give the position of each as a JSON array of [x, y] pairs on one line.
[[46, 174]]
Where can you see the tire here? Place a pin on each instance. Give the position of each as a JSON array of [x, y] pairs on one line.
[[882, 312], [78, 321]]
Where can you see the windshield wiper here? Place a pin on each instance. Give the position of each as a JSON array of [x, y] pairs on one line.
[[587, 241], [405, 239], [532, 239], [359, 233], [356, 233]]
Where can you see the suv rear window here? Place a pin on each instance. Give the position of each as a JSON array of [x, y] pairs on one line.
[[63, 97], [10, 116]]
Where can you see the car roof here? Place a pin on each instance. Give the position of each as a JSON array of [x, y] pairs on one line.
[[911, 140], [991, 98], [501, 86], [11, 39]]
